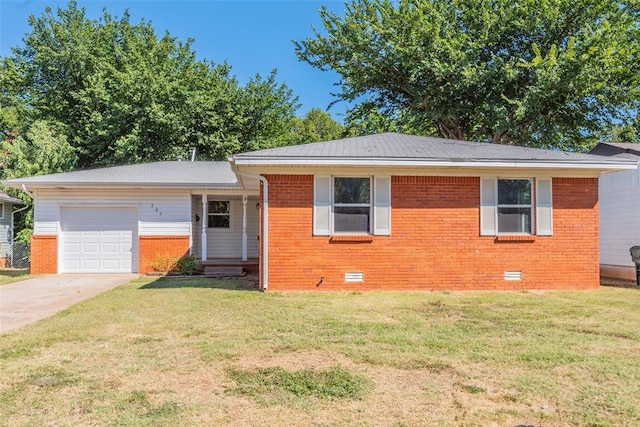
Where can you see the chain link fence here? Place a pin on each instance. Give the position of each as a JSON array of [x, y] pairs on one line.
[[20, 255]]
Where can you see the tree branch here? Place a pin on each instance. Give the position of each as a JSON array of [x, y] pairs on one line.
[[446, 129], [458, 128]]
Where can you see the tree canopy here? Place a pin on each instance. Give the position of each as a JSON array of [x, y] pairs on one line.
[[317, 125], [535, 73], [117, 92]]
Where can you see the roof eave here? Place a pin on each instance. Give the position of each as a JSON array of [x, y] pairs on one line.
[[11, 200], [17, 183], [452, 163]]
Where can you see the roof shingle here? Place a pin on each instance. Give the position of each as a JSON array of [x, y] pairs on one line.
[[399, 146], [4, 197], [174, 174]]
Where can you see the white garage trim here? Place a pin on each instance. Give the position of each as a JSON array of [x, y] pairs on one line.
[[98, 239]]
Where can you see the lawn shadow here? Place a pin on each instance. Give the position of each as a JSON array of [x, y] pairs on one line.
[[245, 283], [14, 272], [619, 283]]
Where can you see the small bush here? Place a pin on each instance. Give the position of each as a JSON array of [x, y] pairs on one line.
[[189, 266], [164, 264]]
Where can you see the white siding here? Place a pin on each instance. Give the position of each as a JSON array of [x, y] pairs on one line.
[[228, 243], [5, 230], [620, 181], [161, 212], [619, 216], [196, 209]]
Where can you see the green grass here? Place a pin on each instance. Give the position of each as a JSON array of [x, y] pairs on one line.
[[216, 352], [13, 275], [334, 383]]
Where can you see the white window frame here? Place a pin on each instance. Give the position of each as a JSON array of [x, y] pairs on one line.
[[352, 205], [230, 214], [1, 210], [529, 206]]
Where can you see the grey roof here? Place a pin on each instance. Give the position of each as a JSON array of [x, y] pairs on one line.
[[4, 197], [399, 146], [158, 174], [620, 149]]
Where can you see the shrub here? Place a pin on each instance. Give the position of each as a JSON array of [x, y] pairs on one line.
[[189, 266], [164, 264]]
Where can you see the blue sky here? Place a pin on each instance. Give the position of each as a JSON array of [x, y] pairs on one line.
[[252, 36]]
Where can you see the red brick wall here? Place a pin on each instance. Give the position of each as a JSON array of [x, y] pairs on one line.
[[434, 242], [154, 247], [44, 254]]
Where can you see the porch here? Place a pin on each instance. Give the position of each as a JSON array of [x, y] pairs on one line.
[[250, 266], [225, 229]]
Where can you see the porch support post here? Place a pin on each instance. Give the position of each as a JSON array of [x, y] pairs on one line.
[[244, 227], [203, 240]]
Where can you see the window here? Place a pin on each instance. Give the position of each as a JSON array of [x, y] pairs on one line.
[[507, 206], [1, 210], [515, 209], [219, 214], [351, 205]]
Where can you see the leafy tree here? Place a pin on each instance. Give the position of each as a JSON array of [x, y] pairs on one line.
[[536, 73], [623, 132], [41, 150], [267, 111], [13, 108], [123, 94], [315, 126], [366, 119]]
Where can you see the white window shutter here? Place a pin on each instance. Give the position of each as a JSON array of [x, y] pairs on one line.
[[544, 207], [322, 205], [488, 206], [382, 206]]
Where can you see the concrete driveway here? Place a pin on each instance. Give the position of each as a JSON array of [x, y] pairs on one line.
[[30, 300]]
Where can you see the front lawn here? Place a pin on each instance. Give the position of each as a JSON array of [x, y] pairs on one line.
[[10, 275], [214, 352]]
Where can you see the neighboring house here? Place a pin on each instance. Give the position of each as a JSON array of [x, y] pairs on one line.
[[387, 211], [619, 212], [6, 227]]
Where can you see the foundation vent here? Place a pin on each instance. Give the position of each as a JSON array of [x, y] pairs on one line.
[[354, 276], [513, 275]]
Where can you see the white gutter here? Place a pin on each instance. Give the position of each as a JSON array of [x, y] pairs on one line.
[[529, 164], [265, 225], [24, 188], [19, 184]]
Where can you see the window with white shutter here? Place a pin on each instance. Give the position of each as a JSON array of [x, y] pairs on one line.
[[507, 206], [351, 205]]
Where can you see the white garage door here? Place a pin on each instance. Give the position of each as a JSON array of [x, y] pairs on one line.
[[99, 240]]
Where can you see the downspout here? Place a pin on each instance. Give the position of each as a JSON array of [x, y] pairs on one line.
[[265, 225]]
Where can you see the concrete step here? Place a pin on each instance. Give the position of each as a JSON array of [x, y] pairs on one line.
[[212, 271]]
